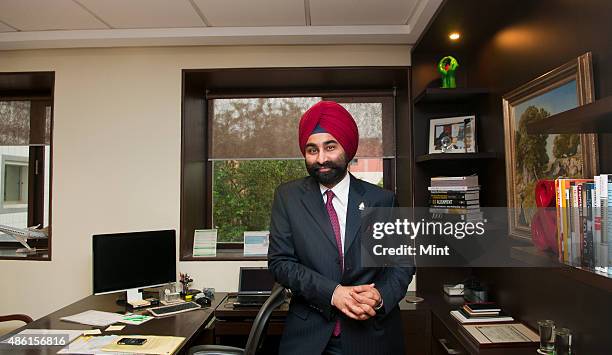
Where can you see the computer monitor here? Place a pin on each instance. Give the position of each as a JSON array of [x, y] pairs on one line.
[[129, 261], [255, 280]]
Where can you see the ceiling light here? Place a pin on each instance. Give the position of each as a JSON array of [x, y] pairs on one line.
[[454, 36]]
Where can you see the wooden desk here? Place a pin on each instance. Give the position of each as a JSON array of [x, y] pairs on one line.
[[193, 325], [230, 321], [234, 323]]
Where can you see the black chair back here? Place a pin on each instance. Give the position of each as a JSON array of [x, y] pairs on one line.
[[260, 324]]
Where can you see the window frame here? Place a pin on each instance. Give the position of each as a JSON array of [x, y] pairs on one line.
[[198, 85]]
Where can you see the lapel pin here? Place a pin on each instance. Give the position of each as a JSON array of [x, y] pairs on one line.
[[361, 206]]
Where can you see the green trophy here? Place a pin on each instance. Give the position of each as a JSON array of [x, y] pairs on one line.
[[447, 67]]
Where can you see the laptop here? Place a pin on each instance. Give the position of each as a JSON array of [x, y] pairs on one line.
[[254, 287]]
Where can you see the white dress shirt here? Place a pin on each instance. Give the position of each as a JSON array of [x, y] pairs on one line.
[[340, 202]]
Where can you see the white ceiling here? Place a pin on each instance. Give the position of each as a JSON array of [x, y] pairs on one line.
[[26, 24]]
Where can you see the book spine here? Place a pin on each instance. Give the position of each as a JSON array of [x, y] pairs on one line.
[[581, 223], [452, 203], [605, 223], [457, 210], [566, 221], [609, 222], [438, 198], [588, 259], [454, 195], [559, 224], [597, 224], [576, 228], [571, 232], [453, 188], [460, 180]]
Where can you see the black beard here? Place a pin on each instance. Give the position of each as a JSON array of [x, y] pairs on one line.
[[331, 177]]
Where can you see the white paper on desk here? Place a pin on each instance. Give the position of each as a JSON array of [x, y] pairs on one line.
[[502, 333], [72, 334], [205, 242], [90, 345], [95, 318], [256, 243]]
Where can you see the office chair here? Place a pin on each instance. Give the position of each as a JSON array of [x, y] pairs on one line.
[[14, 317], [22, 317], [258, 329]]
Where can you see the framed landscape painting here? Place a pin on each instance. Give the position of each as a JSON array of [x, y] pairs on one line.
[[532, 157]]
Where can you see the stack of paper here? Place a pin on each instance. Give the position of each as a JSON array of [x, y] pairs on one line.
[[89, 344], [153, 345], [95, 318]]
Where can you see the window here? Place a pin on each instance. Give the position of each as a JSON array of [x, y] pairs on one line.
[[25, 158], [253, 149], [258, 113], [15, 183]]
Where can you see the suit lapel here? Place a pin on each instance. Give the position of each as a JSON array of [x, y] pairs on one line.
[[353, 215], [313, 202]]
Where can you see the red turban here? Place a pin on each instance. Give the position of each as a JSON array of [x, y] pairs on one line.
[[335, 120]]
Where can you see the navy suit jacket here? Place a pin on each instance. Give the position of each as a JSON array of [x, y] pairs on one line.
[[303, 257]]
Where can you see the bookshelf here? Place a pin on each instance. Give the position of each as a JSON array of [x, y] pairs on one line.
[[455, 156], [531, 256], [595, 117], [542, 288], [433, 102]]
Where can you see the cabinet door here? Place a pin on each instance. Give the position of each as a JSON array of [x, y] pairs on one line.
[[417, 332], [443, 342]]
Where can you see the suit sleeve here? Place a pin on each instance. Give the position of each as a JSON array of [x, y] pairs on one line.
[[285, 266], [393, 282]]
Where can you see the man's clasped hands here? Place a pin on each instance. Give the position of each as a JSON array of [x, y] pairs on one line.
[[357, 302]]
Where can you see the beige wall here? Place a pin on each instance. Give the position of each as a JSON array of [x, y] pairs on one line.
[[117, 152]]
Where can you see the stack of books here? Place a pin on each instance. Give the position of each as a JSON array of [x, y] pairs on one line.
[[584, 222], [485, 312], [455, 196]]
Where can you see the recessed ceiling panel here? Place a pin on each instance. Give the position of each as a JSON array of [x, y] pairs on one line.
[[145, 13], [251, 13], [41, 15], [361, 12]]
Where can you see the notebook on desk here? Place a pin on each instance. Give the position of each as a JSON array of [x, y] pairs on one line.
[[254, 286]]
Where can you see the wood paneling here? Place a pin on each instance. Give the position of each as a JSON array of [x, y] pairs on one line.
[[505, 44]]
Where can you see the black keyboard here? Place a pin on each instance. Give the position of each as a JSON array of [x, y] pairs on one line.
[[174, 309]]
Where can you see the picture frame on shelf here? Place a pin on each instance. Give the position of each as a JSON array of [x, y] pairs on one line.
[[453, 135], [533, 157]]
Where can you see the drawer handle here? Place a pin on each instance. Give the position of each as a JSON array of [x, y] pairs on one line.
[[446, 347]]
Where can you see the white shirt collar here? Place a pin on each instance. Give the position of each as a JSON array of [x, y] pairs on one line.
[[341, 190]]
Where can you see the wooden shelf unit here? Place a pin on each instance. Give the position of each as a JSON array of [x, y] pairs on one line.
[[531, 256], [433, 95], [595, 117], [456, 156]]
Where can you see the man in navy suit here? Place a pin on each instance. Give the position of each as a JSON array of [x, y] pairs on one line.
[[338, 307]]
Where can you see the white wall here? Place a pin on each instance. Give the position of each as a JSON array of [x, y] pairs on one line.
[[117, 152]]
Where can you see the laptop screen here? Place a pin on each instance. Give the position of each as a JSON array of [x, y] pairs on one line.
[[255, 280]]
